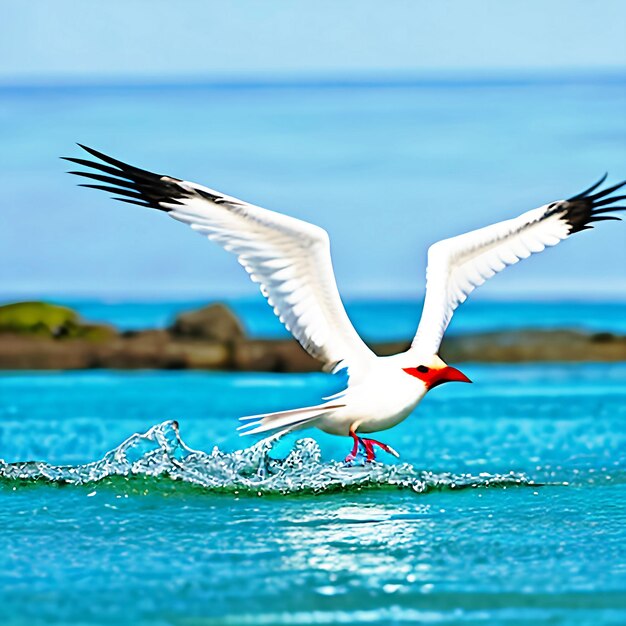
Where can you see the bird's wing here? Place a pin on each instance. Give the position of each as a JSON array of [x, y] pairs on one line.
[[289, 258], [458, 265]]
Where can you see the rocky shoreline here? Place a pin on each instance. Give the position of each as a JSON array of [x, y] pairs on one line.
[[212, 338]]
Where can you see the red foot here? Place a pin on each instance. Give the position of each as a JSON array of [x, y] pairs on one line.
[[368, 445], [369, 448]]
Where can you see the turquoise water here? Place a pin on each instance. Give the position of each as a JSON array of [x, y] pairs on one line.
[[507, 506]]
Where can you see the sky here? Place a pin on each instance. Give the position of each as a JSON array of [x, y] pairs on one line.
[[158, 38], [386, 170]]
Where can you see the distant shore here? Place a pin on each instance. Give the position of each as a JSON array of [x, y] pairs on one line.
[[41, 336]]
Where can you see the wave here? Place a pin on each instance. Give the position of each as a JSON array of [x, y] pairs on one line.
[[161, 453]]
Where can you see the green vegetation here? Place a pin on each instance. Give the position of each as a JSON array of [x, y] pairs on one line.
[[48, 320]]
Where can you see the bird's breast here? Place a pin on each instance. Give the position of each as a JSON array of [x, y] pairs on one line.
[[377, 403]]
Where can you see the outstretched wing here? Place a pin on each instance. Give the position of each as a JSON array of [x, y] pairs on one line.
[[289, 258], [458, 265]]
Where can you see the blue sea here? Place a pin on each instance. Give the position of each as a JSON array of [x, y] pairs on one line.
[[507, 506], [128, 497]]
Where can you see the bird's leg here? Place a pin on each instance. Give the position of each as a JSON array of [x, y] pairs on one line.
[[355, 447], [369, 444]]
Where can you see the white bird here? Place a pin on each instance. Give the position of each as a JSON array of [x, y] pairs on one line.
[[290, 259]]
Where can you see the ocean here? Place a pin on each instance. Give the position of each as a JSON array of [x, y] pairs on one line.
[[128, 497], [507, 506]]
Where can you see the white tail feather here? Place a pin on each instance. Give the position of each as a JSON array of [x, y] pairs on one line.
[[287, 420]]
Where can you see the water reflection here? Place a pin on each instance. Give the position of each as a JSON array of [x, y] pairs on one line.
[[377, 547]]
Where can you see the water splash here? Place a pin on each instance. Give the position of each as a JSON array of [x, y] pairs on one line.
[[161, 453]]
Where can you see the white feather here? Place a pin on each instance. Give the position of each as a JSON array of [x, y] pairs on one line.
[[458, 265], [290, 259]]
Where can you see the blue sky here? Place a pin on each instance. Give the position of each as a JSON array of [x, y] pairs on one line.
[[386, 171], [157, 38]]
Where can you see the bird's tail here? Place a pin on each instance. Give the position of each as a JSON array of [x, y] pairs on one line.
[[284, 420]]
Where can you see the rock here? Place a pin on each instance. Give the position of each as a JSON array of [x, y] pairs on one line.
[[519, 346], [37, 319], [157, 349], [272, 356], [36, 335], [40, 319], [206, 355], [22, 352], [215, 322]]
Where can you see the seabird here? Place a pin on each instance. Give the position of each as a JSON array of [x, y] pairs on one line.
[[290, 260]]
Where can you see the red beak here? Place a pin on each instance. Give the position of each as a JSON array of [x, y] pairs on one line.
[[448, 375], [433, 377]]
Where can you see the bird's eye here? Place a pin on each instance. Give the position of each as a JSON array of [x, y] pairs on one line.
[[422, 369]]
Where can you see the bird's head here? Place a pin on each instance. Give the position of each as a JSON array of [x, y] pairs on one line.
[[433, 371]]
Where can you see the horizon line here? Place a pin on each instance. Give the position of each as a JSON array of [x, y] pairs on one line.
[[427, 78], [123, 298]]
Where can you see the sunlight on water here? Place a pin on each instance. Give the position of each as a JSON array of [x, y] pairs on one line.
[[154, 531], [160, 452]]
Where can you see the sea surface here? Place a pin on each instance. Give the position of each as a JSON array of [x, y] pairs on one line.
[[507, 506]]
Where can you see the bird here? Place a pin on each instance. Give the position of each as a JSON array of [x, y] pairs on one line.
[[290, 260]]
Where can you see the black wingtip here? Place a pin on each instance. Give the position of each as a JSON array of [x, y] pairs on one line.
[[111, 161], [587, 206], [609, 200], [137, 202], [585, 193], [604, 218], [91, 151], [605, 192], [135, 185]]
